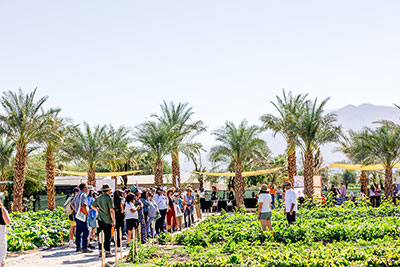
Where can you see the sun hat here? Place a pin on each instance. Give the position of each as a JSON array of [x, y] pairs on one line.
[[105, 187], [264, 187], [90, 187]]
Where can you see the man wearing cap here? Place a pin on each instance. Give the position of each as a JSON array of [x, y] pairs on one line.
[[80, 206], [106, 217]]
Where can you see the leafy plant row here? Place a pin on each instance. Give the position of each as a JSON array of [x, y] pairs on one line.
[[31, 230]]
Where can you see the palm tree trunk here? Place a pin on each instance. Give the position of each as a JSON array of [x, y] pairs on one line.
[[292, 168], [50, 175], [239, 184], [363, 182], [19, 177], [158, 173], [3, 177], [176, 174], [309, 174], [92, 176], [388, 181]]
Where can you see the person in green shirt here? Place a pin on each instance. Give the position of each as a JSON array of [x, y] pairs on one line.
[[106, 217]]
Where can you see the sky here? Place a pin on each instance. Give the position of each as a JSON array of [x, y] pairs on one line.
[[116, 61]]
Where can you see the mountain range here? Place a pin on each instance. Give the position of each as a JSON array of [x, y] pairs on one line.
[[350, 117]]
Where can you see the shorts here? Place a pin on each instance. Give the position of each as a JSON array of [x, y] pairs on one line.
[[132, 223], [92, 222], [73, 223], [266, 215]]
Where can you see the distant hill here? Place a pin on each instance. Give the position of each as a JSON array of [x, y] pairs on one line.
[[357, 117], [350, 117]]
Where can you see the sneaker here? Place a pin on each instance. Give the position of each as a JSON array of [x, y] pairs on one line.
[[109, 254], [78, 250], [71, 243], [87, 251]]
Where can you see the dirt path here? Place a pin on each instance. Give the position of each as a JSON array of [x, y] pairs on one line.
[[64, 256], [60, 256]]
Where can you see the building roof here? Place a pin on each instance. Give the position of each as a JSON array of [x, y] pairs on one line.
[[141, 180]]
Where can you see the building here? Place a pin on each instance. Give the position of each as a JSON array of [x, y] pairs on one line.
[[65, 184]]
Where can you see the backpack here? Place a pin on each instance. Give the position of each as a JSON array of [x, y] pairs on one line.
[[68, 206]]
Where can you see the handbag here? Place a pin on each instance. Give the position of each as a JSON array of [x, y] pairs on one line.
[[81, 216], [178, 211]]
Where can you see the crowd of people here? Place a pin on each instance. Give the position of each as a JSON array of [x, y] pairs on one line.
[[128, 213]]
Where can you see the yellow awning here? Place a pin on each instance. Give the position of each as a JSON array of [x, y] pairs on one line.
[[359, 167], [244, 174], [101, 174]]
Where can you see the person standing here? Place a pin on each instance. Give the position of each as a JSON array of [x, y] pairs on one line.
[[371, 194], [189, 202], [264, 208], [71, 215], [279, 193], [343, 192], [290, 203], [142, 224], [152, 215], [143, 199], [4, 220], [81, 207], [171, 216], [106, 217], [119, 214], [132, 217], [197, 206], [92, 215], [378, 193], [272, 193], [161, 201]]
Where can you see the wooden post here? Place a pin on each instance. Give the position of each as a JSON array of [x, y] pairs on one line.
[[102, 248], [154, 229], [116, 247], [120, 243], [134, 244]]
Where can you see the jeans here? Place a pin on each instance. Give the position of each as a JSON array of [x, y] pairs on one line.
[[107, 235], [150, 221], [81, 234], [188, 216], [273, 201], [160, 221]]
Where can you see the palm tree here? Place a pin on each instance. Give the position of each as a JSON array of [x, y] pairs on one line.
[[117, 148], [238, 145], [383, 145], [178, 119], [156, 141], [354, 148], [87, 145], [314, 128], [289, 109], [7, 148], [52, 140], [22, 122]]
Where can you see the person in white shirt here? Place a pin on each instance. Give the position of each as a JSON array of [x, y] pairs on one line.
[[131, 216], [290, 203], [161, 201], [264, 208]]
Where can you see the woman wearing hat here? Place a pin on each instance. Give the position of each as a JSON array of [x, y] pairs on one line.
[[264, 208], [171, 217]]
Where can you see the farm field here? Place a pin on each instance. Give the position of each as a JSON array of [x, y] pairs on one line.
[[324, 236]]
